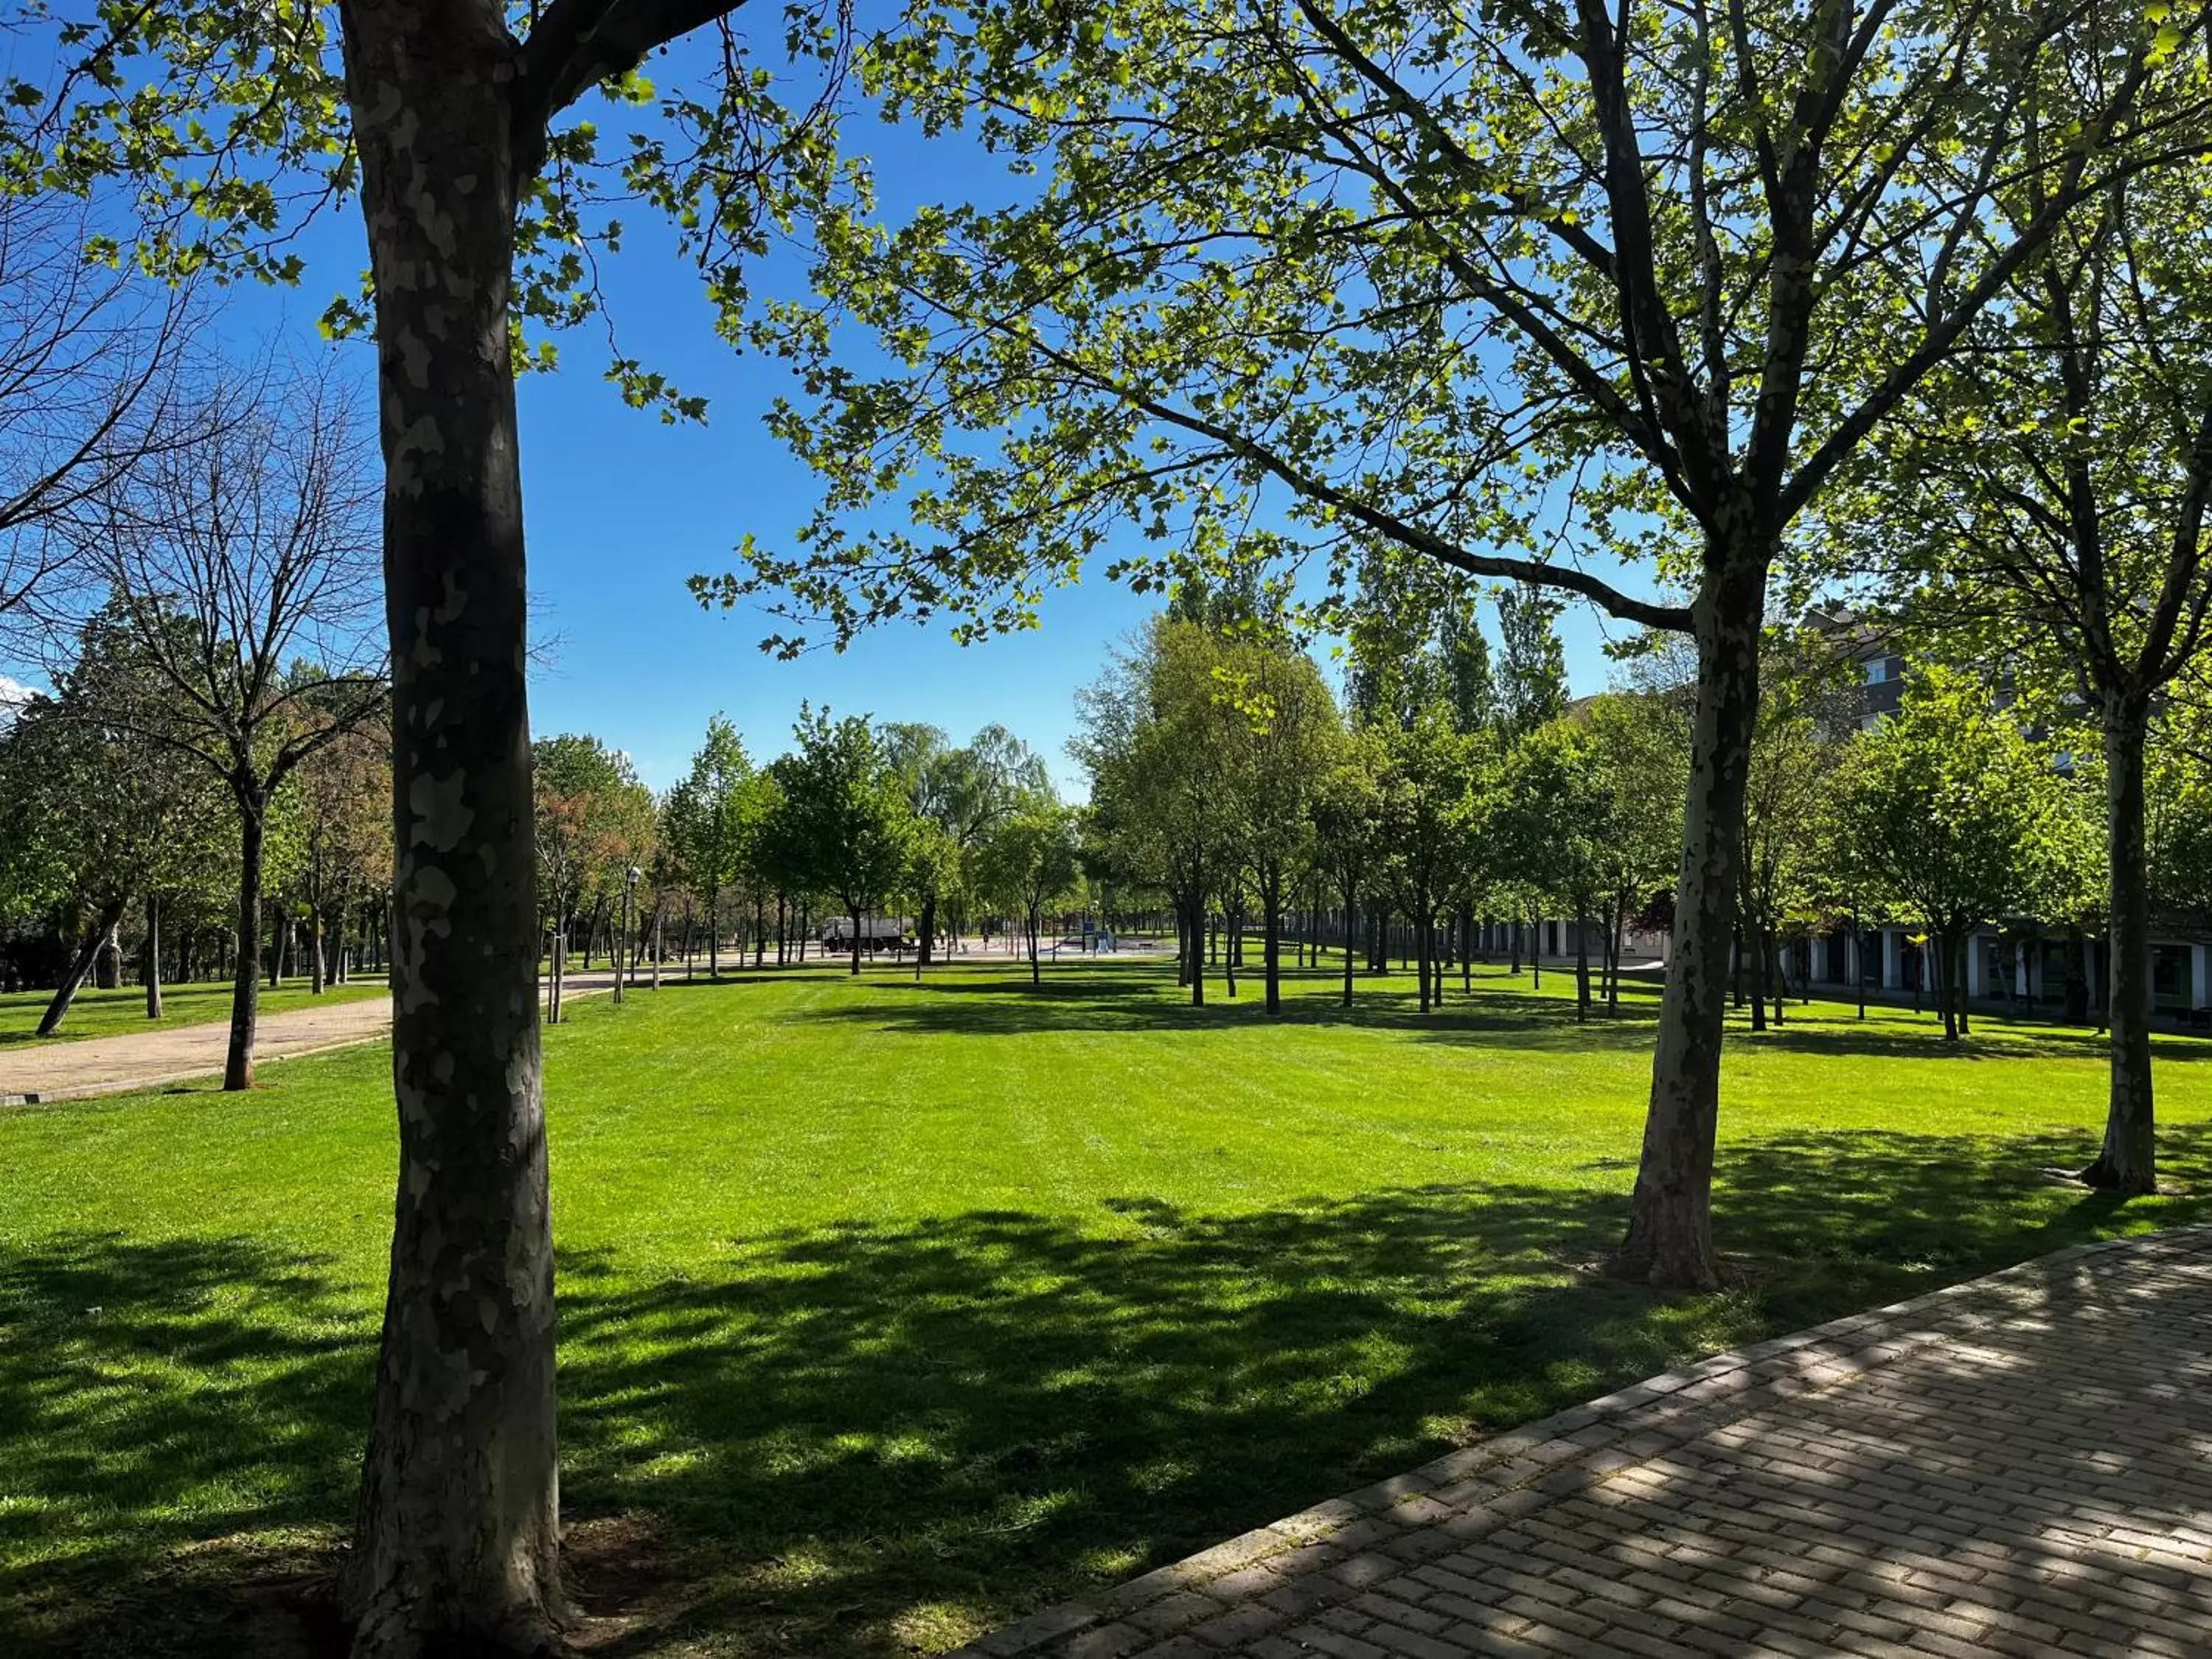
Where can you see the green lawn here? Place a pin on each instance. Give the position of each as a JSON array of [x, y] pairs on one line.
[[116, 1013], [890, 1311]]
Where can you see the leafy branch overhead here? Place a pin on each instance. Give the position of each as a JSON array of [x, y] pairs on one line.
[[1531, 292], [230, 126]]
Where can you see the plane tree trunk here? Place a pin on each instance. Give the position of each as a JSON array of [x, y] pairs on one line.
[[152, 972], [316, 966], [456, 1537], [1351, 910], [1582, 964], [1271, 948]]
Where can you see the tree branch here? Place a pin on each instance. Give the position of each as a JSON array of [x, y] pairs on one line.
[[576, 45]]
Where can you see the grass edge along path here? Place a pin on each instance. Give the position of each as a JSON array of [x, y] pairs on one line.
[[120, 1013]]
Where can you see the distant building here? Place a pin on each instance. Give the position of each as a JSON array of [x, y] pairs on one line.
[[2019, 957]]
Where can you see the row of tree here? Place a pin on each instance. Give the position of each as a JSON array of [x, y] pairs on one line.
[[857, 818], [1460, 806], [1681, 318]]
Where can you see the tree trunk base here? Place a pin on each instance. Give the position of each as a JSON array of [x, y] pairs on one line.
[[395, 1635], [1681, 1269], [2109, 1174]]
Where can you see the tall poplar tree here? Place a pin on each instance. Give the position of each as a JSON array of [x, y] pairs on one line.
[[1533, 666]]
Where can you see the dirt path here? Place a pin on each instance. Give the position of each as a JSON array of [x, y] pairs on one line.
[[141, 1060]]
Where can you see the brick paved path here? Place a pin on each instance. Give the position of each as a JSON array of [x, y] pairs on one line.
[[2020, 1465]]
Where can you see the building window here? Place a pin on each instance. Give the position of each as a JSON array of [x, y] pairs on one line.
[[2169, 974]]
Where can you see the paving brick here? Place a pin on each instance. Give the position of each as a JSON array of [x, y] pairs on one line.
[[1415, 1644], [1318, 1638], [2007, 1466], [1240, 1625]]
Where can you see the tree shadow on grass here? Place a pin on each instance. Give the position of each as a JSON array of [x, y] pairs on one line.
[[1502, 1011], [868, 1436], [165, 1407], [858, 1437], [1992, 1037], [1096, 998]]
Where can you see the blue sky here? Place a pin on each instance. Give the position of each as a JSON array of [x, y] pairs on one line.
[[622, 508]]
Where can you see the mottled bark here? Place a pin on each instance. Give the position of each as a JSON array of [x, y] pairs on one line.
[[1669, 1240], [2129, 1160], [456, 1540], [108, 962]]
